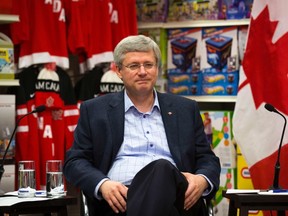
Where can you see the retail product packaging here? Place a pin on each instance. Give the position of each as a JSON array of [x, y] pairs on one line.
[[182, 10], [219, 83], [242, 38], [227, 181], [183, 50], [218, 128], [7, 124], [185, 84], [7, 67], [205, 10], [234, 9], [152, 10], [220, 48], [220, 61]]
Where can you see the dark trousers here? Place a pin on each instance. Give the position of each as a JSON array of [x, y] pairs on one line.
[[157, 190]]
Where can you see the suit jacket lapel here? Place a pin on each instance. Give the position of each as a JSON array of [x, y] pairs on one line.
[[169, 115], [116, 121]]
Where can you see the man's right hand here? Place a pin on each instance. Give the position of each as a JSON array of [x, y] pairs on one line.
[[115, 194]]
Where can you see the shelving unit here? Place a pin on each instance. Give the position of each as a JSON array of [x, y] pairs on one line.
[[214, 99], [6, 19], [8, 82], [193, 24], [206, 102]]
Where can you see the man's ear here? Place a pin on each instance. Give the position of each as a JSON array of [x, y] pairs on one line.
[[117, 70]]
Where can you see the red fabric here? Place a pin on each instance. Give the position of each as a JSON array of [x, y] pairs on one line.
[[41, 32], [264, 80]]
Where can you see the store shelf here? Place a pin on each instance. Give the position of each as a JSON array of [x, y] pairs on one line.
[[213, 99], [193, 24], [8, 82], [8, 18]]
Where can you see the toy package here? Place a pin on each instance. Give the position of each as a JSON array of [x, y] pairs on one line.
[[152, 10], [234, 9], [220, 61], [7, 66], [183, 10], [183, 50], [185, 83]]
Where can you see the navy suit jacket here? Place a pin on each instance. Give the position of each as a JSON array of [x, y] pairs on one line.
[[99, 135]]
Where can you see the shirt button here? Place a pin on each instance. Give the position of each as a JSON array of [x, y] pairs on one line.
[[151, 145], [144, 116], [147, 132]]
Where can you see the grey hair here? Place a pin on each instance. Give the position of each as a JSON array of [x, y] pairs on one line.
[[136, 43]]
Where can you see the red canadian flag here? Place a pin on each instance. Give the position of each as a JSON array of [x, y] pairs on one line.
[[264, 79]]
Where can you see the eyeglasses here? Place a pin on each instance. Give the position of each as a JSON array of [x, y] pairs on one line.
[[136, 66]]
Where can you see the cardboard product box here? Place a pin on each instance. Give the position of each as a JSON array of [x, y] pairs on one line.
[[7, 66], [185, 78], [180, 10], [223, 89], [220, 77], [234, 9], [218, 128], [227, 181], [7, 124], [220, 83], [242, 37], [220, 49], [205, 10], [184, 89], [183, 50], [185, 83], [152, 10]]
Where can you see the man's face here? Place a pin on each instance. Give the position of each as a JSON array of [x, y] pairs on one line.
[[139, 80]]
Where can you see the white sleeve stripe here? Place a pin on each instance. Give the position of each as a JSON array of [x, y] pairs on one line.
[[22, 111], [73, 112], [24, 128]]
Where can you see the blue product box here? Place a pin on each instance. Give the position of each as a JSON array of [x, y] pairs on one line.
[[183, 51], [234, 9], [220, 89], [184, 89], [218, 50], [220, 77], [185, 78]]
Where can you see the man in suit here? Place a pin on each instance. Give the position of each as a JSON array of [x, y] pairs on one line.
[[139, 152]]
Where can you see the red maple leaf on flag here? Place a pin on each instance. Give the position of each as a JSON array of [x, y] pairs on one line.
[[266, 64]]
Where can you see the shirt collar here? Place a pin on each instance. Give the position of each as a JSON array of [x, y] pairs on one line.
[[128, 103]]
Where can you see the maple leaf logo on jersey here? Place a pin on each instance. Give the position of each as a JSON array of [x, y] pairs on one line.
[[267, 72]]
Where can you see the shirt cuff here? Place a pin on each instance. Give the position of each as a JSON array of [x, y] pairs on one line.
[[97, 194], [208, 190]]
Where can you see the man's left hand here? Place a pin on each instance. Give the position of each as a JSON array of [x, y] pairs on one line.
[[197, 184]]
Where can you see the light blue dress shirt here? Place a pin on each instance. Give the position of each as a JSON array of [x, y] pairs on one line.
[[144, 141]]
